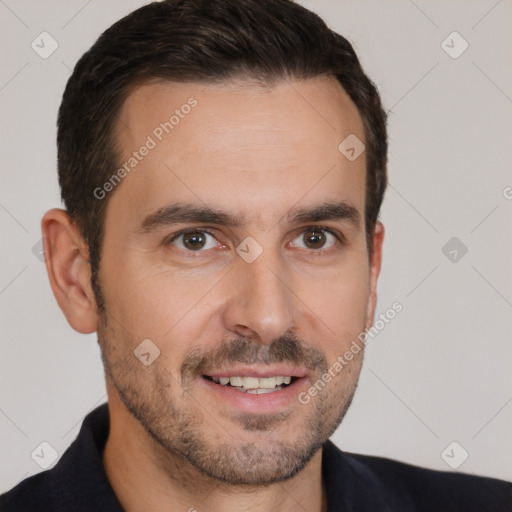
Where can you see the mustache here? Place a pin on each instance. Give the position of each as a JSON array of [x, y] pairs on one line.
[[288, 348]]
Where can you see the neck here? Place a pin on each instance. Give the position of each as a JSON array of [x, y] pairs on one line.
[[144, 476]]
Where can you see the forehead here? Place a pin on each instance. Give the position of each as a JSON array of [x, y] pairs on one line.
[[259, 149]]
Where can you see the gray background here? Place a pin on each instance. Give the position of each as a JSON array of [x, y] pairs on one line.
[[440, 371]]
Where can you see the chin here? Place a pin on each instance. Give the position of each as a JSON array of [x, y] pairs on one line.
[[256, 464]]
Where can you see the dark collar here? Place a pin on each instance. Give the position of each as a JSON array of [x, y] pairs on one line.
[[353, 482], [80, 478]]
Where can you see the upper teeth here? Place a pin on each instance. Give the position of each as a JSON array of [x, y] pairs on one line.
[[255, 382]]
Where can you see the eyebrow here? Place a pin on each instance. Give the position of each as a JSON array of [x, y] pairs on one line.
[[340, 211], [189, 213]]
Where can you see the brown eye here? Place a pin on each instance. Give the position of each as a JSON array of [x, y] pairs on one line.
[[194, 241], [314, 239]]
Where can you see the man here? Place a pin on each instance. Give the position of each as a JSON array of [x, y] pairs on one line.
[[223, 163]]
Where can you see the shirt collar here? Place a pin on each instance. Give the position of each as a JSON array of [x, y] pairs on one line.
[[80, 477]]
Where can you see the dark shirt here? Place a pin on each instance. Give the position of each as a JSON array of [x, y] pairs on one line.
[[359, 483]]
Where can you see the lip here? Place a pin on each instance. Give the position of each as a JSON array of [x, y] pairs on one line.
[[274, 371], [267, 403]]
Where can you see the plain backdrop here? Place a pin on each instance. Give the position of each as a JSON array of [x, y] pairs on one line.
[[439, 373]]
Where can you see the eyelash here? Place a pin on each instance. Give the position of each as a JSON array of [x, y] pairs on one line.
[[195, 254]]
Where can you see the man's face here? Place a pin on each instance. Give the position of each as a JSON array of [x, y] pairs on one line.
[[248, 289]]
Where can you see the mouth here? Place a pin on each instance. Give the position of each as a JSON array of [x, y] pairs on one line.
[[256, 390], [254, 385]]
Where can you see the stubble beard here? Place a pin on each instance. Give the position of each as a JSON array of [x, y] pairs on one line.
[[191, 435]]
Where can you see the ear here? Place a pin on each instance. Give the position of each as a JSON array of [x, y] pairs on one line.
[[375, 264], [66, 256]]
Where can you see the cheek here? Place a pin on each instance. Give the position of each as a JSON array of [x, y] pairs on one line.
[[150, 301], [341, 303], [341, 298], [140, 301]]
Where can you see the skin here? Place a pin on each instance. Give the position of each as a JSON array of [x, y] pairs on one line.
[[256, 153]]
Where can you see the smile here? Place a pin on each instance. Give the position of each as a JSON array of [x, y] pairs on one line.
[[254, 385], [256, 389]]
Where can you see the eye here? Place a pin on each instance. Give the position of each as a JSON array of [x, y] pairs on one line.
[[194, 240], [316, 238]]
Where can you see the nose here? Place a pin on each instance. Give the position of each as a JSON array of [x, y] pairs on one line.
[[262, 304]]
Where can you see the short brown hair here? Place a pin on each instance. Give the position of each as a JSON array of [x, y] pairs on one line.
[[199, 41]]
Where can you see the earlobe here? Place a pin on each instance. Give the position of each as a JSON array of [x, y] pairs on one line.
[[375, 265], [66, 257]]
